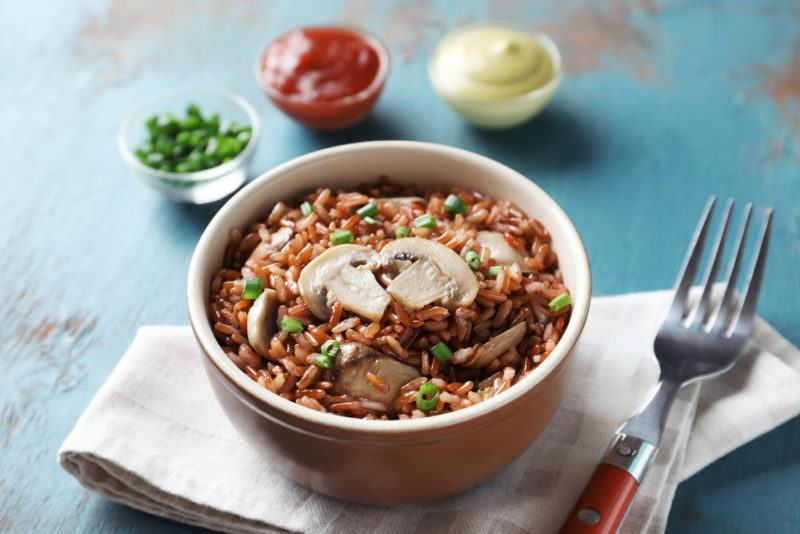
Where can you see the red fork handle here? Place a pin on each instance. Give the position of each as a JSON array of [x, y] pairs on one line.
[[609, 494], [603, 503]]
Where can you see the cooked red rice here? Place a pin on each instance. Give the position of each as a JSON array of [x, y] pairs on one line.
[[510, 298]]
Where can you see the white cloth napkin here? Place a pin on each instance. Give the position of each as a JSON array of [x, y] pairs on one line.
[[155, 439]]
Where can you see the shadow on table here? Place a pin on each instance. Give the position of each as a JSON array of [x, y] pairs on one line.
[[113, 517], [376, 126], [187, 221], [552, 142]]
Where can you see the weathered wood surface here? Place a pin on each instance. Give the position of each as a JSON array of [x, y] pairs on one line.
[[664, 103]]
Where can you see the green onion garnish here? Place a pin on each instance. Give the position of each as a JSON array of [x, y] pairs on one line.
[[330, 348], [370, 221], [454, 205], [427, 397], [426, 221], [473, 259], [190, 144], [252, 289], [289, 324], [402, 231], [367, 210], [340, 237], [560, 302], [306, 208], [325, 362], [441, 352]]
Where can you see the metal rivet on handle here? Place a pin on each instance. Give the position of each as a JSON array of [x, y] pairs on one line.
[[624, 450], [588, 515]]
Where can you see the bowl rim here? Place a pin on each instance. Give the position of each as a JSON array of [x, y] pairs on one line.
[[534, 94], [366, 93], [196, 298], [197, 176]]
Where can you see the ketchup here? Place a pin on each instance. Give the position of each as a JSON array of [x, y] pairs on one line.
[[320, 64], [326, 78]]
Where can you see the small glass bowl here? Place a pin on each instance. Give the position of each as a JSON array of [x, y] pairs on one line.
[[333, 114], [199, 187]]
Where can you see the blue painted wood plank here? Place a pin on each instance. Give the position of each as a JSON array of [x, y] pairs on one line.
[[665, 103]]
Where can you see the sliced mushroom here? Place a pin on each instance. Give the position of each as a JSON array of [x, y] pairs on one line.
[[261, 321], [444, 276], [344, 273], [399, 202], [500, 250], [356, 360], [497, 346], [419, 285], [277, 240]]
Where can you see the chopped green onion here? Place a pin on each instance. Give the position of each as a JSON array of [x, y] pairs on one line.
[[192, 122], [426, 221], [340, 237], [325, 362], [402, 231], [369, 220], [473, 259], [212, 146], [454, 205], [427, 397], [330, 348], [560, 302], [441, 352], [306, 208], [183, 139], [191, 143], [494, 270], [289, 324], [154, 159], [252, 289], [367, 210]]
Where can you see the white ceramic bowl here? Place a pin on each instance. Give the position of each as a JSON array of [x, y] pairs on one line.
[[389, 462]]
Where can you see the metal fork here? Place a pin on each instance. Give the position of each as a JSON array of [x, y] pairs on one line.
[[692, 344]]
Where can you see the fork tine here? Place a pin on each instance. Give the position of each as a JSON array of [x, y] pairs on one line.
[[726, 304], [713, 266], [691, 261], [752, 290]]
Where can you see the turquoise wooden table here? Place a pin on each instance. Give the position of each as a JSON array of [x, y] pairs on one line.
[[664, 103]]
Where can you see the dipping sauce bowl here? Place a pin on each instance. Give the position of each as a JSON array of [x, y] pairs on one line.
[[495, 76], [326, 78]]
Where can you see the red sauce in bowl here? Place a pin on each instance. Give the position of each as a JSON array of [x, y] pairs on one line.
[[326, 78]]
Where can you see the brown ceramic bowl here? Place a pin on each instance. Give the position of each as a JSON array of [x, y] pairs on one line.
[[389, 462]]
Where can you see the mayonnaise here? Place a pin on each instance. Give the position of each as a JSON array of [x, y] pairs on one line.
[[491, 64]]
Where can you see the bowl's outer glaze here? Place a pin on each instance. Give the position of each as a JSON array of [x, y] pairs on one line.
[[379, 473], [389, 462]]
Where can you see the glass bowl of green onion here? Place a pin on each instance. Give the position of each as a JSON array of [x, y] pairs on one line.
[[193, 145]]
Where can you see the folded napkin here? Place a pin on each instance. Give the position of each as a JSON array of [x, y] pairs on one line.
[[155, 439]]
